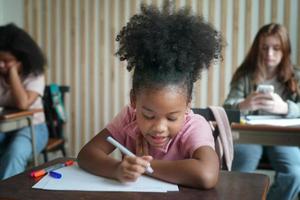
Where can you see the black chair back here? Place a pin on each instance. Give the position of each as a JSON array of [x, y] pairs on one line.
[[233, 115]]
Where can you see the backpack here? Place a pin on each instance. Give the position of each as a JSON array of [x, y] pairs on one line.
[[224, 141], [54, 110], [57, 102]]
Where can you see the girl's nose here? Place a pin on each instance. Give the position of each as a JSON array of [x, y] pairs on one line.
[[270, 51], [160, 126]]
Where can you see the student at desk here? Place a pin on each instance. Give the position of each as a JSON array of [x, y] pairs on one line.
[[269, 62], [22, 84], [167, 51]]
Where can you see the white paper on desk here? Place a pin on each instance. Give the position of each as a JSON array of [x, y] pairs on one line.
[[74, 178], [272, 120]]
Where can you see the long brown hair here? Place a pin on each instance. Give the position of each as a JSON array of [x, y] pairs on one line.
[[253, 63]]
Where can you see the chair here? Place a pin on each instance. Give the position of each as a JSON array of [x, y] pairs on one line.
[[223, 142], [233, 116], [55, 125]]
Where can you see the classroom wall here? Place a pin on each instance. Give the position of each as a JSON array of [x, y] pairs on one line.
[[78, 38], [11, 11]]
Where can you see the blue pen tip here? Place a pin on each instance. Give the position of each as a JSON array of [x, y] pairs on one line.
[[55, 174]]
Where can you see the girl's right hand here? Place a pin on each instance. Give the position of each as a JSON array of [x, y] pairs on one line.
[[3, 69], [14, 66], [9, 67], [131, 168], [254, 101]]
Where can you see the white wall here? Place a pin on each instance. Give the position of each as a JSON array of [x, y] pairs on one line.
[[11, 11]]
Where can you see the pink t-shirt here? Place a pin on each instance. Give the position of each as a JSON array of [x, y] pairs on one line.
[[196, 132], [31, 83]]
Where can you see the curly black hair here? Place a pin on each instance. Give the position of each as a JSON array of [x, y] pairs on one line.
[[19, 43], [167, 47]]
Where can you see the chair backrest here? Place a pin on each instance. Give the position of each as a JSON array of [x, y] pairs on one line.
[[233, 115], [53, 121], [223, 138]]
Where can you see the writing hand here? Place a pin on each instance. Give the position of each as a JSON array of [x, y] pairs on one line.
[[131, 168]]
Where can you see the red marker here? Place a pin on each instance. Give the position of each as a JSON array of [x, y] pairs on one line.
[[42, 172]]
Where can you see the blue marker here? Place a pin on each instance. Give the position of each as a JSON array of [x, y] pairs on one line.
[[55, 174]]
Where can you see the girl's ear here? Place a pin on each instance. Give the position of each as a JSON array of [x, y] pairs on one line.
[[188, 107], [132, 99]]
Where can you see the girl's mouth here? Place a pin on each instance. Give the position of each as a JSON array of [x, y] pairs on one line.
[[158, 140]]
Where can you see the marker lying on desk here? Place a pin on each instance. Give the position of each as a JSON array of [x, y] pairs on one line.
[[125, 151], [51, 169], [55, 174]]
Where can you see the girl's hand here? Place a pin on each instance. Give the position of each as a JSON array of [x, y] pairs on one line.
[[14, 66], [254, 101], [10, 67], [275, 105], [3, 69], [268, 102], [131, 168]]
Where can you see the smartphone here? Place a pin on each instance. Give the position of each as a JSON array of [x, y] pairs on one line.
[[265, 88]]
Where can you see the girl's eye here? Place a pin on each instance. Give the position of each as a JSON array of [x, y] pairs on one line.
[[277, 48], [148, 116], [172, 119]]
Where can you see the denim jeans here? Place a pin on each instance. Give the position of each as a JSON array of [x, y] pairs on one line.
[[285, 161], [16, 149]]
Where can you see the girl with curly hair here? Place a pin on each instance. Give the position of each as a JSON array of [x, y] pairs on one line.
[[166, 50], [22, 85]]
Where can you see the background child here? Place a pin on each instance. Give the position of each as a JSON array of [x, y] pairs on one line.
[[22, 84], [167, 51], [269, 62]]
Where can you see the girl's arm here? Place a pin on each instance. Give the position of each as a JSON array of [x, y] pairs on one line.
[[94, 157], [293, 102], [23, 98], [238, 91], [201, 171]]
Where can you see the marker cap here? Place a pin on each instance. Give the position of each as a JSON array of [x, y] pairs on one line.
[[38, 173], [69, 162]]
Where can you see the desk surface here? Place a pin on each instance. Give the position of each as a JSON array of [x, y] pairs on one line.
[[7, 114], [266, 134], [267, 128], [232, 185]]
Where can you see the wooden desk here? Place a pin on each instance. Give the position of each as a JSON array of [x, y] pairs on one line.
[[12, 119], [232, 185], [266, 134]]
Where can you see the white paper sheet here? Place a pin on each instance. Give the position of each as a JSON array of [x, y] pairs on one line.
[[74, 178], [272, 120]]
